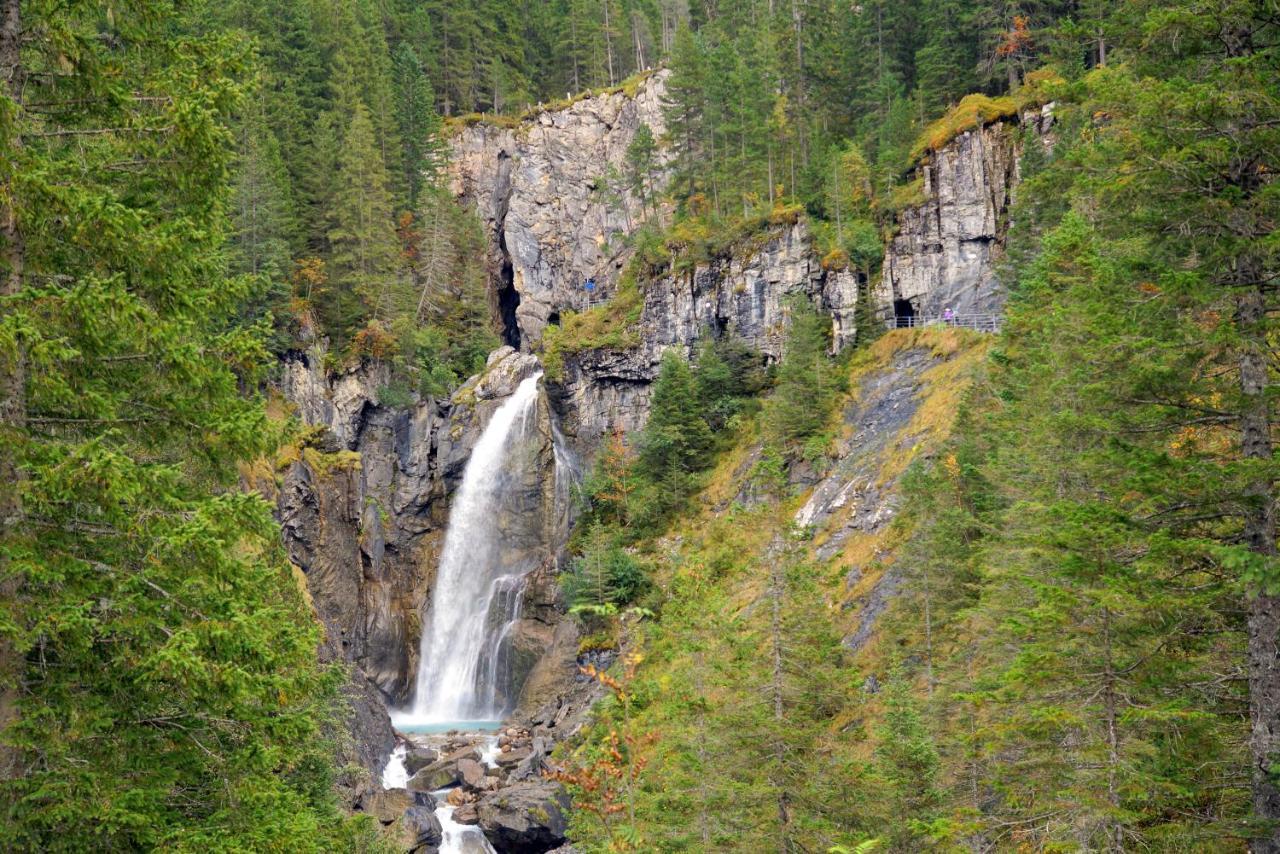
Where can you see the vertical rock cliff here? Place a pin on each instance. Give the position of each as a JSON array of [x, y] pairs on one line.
[[743, 292], [946, 247], [555, 213]]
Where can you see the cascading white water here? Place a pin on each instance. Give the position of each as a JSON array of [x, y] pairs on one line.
[[476, 597]]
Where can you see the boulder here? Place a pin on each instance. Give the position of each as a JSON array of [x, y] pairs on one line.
[[444, 771], [526, 817], [423, 826], [513, 757], [466, 752], [418, 758], [472, 773], [434, 776], [386, 805], [467, 814], [533, 763]]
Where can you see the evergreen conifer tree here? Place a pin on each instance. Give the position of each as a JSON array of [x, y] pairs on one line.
[[362, 232], [161, 682]]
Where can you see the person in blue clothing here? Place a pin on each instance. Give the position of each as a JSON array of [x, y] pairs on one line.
[[590, 285]]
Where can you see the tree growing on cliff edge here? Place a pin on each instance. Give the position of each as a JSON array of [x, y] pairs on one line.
[[676, 440], [808, 380], [641, 163], [161, 686], [362, 232]]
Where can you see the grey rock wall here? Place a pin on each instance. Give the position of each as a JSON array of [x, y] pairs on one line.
[[744, 294], [946, 249], [536, 187]]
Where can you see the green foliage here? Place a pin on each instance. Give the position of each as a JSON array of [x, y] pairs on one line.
[[361, 233], [419, 125], [908, 763], [158, 662], [604, 574], [262, 219], [1057, 550], [642, 164], [728, 376], [695, 412], [676, 439], [395, 395], [808, 380]]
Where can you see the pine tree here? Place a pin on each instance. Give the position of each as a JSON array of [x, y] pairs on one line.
[[676, 439], [317, 182], [685, 106], [263, 220], [641, 164], [808, 380], [946, 63], [908, 762], [1204, 109]]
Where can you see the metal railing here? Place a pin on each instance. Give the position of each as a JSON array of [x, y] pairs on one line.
[[980, 322], [594, 301]]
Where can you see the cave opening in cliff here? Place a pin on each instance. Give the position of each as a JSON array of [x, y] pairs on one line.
[[904, 313], [508, 302]]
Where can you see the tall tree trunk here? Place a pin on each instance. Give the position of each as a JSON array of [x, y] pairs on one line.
[[704, 819], [1260, 536], [573, 35], [1111, 711], [608, 41], [777, 589], [13, 410]]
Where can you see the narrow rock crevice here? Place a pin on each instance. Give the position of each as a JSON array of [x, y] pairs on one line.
[[505, 297]]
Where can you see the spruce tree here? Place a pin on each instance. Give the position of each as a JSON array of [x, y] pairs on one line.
[[362, 233], [676, 439], [808, 379], [263, 221], [161, 684], [418, 124]]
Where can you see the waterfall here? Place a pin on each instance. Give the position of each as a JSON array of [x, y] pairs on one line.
[[465, 653]]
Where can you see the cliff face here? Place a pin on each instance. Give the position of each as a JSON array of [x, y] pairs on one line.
[[743, 293], [553, 216], [946, 248], [551, 230], [364, 502]]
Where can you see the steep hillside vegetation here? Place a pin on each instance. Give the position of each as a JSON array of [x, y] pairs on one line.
[[749, 703]]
